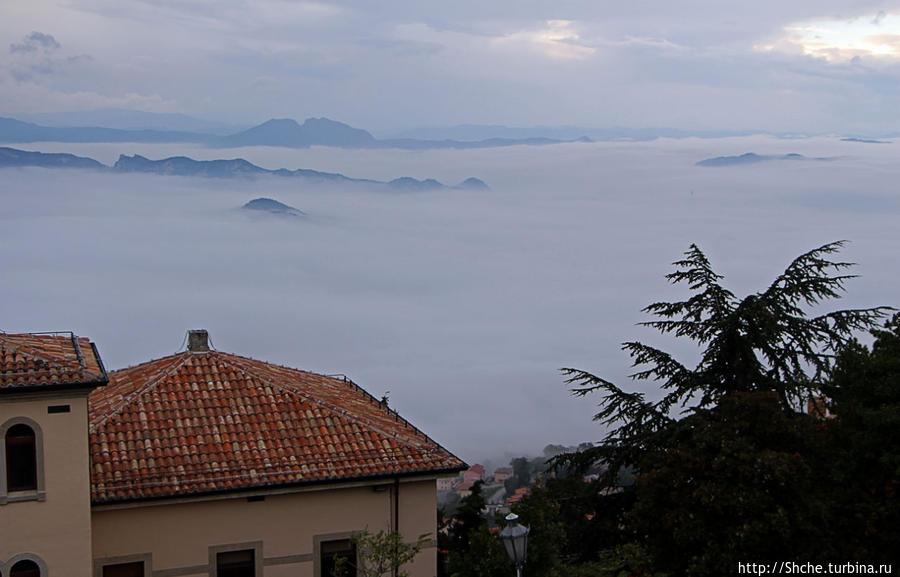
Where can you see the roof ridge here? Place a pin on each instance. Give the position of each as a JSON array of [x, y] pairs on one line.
[[77, 348], [27, 350], [148, 384], [334, 409]]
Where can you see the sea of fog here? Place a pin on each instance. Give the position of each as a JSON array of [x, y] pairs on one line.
[[462, 304]]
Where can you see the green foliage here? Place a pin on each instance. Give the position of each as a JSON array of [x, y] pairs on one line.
[[764, 342], [541, 513], [740, 473], [526, 471], [865, 393], [484, 556], [738, 481], [473, 550], [378, 554], [468, 518], [592, 518], [627, 560]]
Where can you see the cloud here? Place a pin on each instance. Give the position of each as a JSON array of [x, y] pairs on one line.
[[462, 304], [872, 37], [400, 63], [557, 39], [38, 55], [35, 42]]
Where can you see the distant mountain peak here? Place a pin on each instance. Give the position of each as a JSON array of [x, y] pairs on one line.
[[313, 131], [413, 184], [279, 123], [272, 206], [473, 183], [322, 121]]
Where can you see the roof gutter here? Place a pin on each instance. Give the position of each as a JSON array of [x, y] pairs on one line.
[[282, 489], [100, 381]]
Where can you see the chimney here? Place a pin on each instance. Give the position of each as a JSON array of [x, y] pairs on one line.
[[198, 340]]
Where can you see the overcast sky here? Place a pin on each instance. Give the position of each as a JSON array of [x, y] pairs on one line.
[[802, 65], [462, 304]]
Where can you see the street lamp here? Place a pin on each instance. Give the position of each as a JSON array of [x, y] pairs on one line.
[[515, 539]]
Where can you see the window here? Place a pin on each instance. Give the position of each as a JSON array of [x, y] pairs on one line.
[[21, 459], [134, 565], [25, 568], [236, 564], [133, 569], [236, 560], [338, 558]]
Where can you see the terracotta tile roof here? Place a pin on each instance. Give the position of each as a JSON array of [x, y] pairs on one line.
[[48, 360], [208, 422], [520, 494]]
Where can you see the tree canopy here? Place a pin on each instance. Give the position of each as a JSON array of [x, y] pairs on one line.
[[723, 465], [766, 341]]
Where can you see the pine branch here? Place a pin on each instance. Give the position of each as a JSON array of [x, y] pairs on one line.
[[765, 342]]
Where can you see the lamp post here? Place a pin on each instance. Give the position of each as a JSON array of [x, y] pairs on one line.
[[515, 539]]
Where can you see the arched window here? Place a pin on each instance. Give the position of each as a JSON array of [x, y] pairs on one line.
[[25, 568], [21, 461]]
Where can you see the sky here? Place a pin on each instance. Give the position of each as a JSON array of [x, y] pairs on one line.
[[801, 66], [461, 306]]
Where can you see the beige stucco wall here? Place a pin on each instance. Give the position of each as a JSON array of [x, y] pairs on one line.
[[179, 535], [58, 529], [418, 508]]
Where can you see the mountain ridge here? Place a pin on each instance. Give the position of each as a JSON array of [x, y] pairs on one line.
[[282, 132], [219, 168], [753, 158]]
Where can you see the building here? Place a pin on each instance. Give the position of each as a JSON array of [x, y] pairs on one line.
[[446, 484], [473, 473], [200, 463], [501, 474], [518, 495], [464, 488]]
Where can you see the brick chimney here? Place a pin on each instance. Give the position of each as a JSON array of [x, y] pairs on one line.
[[198, 340]]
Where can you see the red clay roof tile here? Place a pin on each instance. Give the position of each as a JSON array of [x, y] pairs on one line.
[[206, 422], [48, 360]]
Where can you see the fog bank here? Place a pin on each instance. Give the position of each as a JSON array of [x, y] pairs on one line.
[[462, 304]]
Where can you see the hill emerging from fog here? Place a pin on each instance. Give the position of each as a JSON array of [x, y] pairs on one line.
[[272, 206], [753, 158], [282, 132], [13, 157], [289, 133], [225, 168]]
